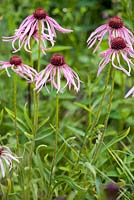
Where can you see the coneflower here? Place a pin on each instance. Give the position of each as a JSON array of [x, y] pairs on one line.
[[118, 48], [53, 72], [15, 63], [115, 28], [29, 28]]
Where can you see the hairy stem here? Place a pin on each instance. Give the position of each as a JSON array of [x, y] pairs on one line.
[[29, 99], [15, 113], [35, 120], [106, 119], [90, 129], [55, 146]]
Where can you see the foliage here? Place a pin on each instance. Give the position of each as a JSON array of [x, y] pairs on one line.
[[77, 175]]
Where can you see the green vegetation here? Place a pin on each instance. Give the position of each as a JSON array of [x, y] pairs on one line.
[[81, 167]]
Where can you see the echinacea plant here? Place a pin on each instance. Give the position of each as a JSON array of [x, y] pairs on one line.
[[15, 63], [118, 47], [115, 28], [6, 159], [130, 92], [53, 73], [29, 28]]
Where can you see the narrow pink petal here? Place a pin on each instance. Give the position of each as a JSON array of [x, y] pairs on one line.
[[131, 91], [12, 157], [57, 26], [99, 29], [2, 168], [127, 60], [58, 79], [104, 61], [119, 67]]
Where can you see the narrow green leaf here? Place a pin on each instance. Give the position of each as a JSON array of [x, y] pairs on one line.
[[84, 107], [69, 181], [28, 120], [43, 122], [59, 48], [116, 139], [11, 115], [44, 136], [91, 168], [29, 136]]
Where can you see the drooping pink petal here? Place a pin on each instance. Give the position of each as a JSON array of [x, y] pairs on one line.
[[2, 168], [130, 92], [119, 67], [53, 23]]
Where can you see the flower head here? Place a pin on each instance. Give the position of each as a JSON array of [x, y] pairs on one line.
[[53, 73], [118, 47], [111, 191], [29, 28], [6, 159], [130, 92], [15, 63], [115, 28]]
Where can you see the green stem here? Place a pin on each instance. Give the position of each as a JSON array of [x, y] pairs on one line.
[[53, 165], [36, 95], [29, 99], [102, 99], [29, 96], [15, 113], [106, 119], [39, 44], [35, 120], [98, 112]]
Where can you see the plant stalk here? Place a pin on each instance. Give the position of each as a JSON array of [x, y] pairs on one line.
[[15, 114], [53, 165], [98, 147]]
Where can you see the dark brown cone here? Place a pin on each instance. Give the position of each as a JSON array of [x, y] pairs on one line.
[[118, 43], [40, 13], [115, 22], [57, 60], [15, 60]]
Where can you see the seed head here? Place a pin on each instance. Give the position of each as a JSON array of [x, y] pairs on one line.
[[40, 13], [57, 60], [115, 22], [118, 43], [15, 60]]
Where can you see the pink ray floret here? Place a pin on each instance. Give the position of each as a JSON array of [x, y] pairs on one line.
[[130, 92], [29, 28], [114, 28], [18, 67], [53, 73], [6, 159], [118, 48]]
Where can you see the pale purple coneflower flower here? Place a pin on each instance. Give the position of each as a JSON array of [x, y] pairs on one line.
[[15, 63], [118, 48], [29, 28], [53, 73], [6, 158], [130, 92], [115, 28]]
